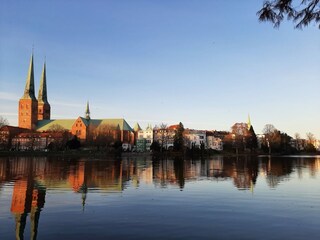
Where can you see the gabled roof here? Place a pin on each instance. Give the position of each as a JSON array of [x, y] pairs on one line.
[[12, 128], [44, 125], [173, 127], [85, 121], [120, 122], [136, 127]]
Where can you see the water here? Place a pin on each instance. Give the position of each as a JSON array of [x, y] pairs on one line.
[[141, 198]]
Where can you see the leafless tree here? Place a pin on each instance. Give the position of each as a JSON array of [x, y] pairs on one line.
[[310, 138], [56, 128], [163, 131], [103, 135], [269, 129], [3, 121]]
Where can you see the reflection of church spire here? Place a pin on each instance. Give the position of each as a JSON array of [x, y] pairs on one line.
[[27, 197], [84, 191], [20, 220], [38, 199], [251, 187]]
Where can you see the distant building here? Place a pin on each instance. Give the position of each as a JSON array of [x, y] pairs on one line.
[[39, 140], [34, 114], [136, 129], [195, 138], [7, 133], [213, 142], [145, 139], [165, 135]]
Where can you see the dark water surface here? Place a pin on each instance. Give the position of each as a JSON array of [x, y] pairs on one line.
[[141, 198]]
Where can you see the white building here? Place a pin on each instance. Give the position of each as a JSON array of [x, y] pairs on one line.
[[147, 135], [195, 138], [214, 143]]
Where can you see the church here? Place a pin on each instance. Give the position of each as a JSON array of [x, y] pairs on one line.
[[35, 115]]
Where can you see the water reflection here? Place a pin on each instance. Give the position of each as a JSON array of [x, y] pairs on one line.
[[33, 177]]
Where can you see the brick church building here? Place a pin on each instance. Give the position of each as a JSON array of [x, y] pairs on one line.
[[35, 115]]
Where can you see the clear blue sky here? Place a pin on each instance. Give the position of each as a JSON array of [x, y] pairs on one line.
[[204, 63]]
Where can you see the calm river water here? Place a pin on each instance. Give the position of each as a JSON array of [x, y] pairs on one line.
[[141, 198]]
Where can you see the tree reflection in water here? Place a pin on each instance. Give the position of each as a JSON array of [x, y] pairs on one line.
[[32, 177]]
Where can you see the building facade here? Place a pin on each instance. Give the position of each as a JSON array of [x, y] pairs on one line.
[[35, 115], [145, 139]]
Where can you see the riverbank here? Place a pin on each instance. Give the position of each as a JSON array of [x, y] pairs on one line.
[[103, 154]]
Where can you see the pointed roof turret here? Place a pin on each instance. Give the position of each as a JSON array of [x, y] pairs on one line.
[[136, 127], [249, 122], [29, 88], [42, 95], [87, 111]]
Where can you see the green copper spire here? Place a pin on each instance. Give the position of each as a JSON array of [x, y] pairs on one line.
[[42, 95], [87, 111], [29, 89]]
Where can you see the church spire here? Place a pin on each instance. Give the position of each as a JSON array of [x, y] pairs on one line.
[[87, 111], [29, 88], [42, 95], [249, 122]]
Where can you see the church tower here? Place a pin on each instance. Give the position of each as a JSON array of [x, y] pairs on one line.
[[28, 104], [87, 113], [43, 104]]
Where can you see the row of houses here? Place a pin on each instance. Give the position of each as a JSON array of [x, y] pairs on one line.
[[165, 137], [135, 139]]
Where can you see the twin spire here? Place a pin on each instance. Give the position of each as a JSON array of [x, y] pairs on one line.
[[29, 88], [42, 95]]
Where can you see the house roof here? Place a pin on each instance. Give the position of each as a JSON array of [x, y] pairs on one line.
[[44, 125], [136, 127], [123, 125], [173, 127], [12, 128]]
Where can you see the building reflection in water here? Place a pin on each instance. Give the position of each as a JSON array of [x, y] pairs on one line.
[[28, 197], [32, 176]]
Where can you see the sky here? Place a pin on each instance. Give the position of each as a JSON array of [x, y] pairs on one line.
[[207, 64]]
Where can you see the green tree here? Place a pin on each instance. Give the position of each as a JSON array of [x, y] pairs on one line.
[[303, 14], [74, 143], [252, 141], [178, 141], [155, 146]]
